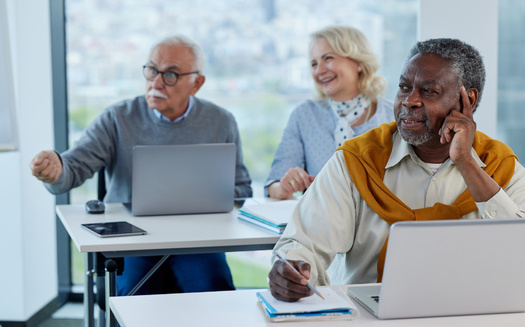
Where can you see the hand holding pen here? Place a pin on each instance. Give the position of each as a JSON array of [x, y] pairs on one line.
[[285, 262]]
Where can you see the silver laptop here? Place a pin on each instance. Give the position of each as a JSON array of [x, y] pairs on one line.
[[445, 268], [183, 179]]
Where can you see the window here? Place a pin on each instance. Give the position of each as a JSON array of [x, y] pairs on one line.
[[511, 75], [257, 66]]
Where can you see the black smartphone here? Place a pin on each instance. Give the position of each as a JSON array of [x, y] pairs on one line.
[[115, 228]]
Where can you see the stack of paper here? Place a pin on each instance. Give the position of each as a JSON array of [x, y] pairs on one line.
[[270, 215], [334, 306]]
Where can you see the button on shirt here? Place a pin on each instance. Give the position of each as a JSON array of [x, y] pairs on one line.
[[335, 231]]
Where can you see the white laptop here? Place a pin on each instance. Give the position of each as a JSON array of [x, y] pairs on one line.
[[445, 268], [183, 179]]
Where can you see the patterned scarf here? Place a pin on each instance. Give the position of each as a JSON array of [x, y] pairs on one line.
[[348, 112]]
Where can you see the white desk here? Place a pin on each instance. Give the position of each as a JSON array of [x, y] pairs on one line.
[[241, 308], [177, 234]]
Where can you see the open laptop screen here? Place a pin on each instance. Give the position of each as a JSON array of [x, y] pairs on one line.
[[450, 267], [183, 179]]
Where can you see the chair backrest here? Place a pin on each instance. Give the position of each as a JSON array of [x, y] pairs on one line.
[[101, 184]]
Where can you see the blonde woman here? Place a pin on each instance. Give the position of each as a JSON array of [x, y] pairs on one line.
[[344, 69]]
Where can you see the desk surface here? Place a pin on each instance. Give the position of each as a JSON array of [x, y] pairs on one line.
[[183, 233], [241, 308]]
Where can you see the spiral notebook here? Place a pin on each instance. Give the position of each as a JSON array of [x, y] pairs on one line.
[[335, 306], [273, 215]]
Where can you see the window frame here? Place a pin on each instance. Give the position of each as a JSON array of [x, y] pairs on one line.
[[61, 132]]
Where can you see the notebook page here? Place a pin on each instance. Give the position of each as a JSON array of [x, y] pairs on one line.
[[332, 302], [278, 212]]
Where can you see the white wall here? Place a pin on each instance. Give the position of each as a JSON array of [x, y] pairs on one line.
[[28, 278], [476, 23]]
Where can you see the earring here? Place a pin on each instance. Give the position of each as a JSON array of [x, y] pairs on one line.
[[358, 69]]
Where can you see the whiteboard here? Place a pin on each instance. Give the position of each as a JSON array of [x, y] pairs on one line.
[[8, 130]]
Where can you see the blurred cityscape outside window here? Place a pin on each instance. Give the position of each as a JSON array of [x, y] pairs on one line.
[[511, 75], [257, 67]]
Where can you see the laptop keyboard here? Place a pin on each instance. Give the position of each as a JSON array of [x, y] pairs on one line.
[[375, 298]]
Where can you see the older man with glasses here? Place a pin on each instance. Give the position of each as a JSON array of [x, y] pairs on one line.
[[169, 113]]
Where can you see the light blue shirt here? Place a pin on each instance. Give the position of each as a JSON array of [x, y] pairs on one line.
[[181, 118], [308, 139]]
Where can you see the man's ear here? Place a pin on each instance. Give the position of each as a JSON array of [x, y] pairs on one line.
[[473, 96], [197, 84]]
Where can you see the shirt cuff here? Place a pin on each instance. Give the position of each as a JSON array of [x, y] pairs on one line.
[[500, 206], [268, 183]]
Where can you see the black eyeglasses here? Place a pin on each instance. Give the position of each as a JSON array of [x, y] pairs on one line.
[[169, 77]]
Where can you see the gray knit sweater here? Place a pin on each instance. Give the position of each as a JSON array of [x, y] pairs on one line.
[[108, 142]]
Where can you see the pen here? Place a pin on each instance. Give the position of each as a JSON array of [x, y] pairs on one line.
[[283, 260]]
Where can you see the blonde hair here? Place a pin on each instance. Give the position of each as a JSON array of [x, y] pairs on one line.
[[350, 42]]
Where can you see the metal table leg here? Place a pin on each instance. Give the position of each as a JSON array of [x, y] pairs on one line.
[[89, 298], [111, 290], [111, 286]]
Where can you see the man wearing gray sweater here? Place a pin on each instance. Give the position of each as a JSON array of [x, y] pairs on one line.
[[167, 114]]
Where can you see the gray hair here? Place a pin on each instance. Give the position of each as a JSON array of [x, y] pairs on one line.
[[466, 60], [350, 42], [198, 54]]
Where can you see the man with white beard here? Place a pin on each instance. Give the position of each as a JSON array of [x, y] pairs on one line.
[[169, 113]]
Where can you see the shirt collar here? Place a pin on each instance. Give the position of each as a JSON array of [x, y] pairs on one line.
[[401, 149], [191, 102]]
